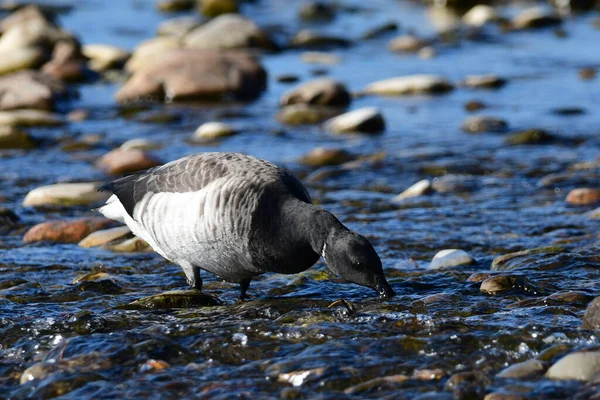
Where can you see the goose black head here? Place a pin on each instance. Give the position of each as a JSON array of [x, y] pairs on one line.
[[350, 256]]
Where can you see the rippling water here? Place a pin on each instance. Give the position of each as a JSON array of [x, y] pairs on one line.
[[286, 341]]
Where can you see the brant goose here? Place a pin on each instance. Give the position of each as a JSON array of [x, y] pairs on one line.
[[238, 216]]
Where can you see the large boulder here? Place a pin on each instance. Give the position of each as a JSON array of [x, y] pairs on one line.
[[29, 89], [187, 74]]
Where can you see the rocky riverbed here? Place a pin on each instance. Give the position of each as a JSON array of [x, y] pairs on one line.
[[462, 139]]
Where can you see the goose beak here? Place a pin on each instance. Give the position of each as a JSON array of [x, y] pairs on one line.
[[384, 289]]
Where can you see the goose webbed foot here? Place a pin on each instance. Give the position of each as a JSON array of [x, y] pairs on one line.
[[193, 278], [244, 284]]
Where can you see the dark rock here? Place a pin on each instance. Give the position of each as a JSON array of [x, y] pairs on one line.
[[380, 30], [311, 39], [483, 123], [531, 136], [316, 10], [176, 299]]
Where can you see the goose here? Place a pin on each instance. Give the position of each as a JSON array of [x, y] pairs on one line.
[[238, 216]]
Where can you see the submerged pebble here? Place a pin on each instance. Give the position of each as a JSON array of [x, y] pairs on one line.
[[412, 84], [581, 366], [362, 120], [450, 258], [591, 318]]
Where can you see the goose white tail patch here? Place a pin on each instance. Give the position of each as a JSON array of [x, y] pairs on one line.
[[113, 209]]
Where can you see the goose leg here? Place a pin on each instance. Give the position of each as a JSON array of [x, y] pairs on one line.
[[244, 284], [192, 274]]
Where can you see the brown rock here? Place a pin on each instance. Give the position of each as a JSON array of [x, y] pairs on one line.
[[587, 73], [228, 31], [29, 89], [175, 5], [124, 161], [304, 114], [67, 63], [311, 39], [591, 318], [583, 196], [407, 44], [13, 138], [212, 8], [497, 284], [321, 156], [196, 74], [66, 231], [25, 14], [321, 92], [478, 277]]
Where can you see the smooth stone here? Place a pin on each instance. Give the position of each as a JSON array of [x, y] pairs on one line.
[[477, 277], [407, 44], [581, 366], [311, 39], [591, 317], [363, 120], [489, 81], [450, 258], [196, 75], [498, 284], [103, 56], [150, 52], [480, 15], [39, 371], [140, 144], [531, 136], [91, 277], [28, 117], [133, 245], [504, 396], [65, 194], [455, 184], [421, 188], [304, 114], [583, 196], [321, 156], [178, 27], [427, 52], [72, 231], [320, 57], [176, 299], [33, 33], [104, 236], [535, 17], [214, 130], [571, 297], [120, 161], [175, 5], [21, 15], [483, 123], [523, 369], [78, 115], [13, 60], [375, 382], [510, 261], [379, 31], [213, 8], [287, 78], [588, 73], [319, 92], [594, 214], [228, 31], [411, 84], [315, 11], [13, 138], [474, 105]]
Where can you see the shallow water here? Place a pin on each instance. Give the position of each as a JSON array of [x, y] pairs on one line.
[[438, 321]]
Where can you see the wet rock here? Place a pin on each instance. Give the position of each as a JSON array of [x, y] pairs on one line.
[[213, 8], [320, 156], [504, 396], [304, 114], [65, 194], [594, 214], [474, 105], [65, 231], [386, 381], [28, 117], [320, 57], [91, 277], [478, 277], [380, 30], [159, 117], [321, 92], [178, 27], [581, 366], [214, 130], [363, 120], [510, 261], [316, 11], [67, 62], [531, 136], [468, 384], [29, 89], [568, 111], [583, 196], [427, 52], [412, 84], [229, 31], [480, 15], [8, 221], [523, 369], [499, 283], [175, 5], [434, 396], [455, 184], [78, 115], [311, 39], [120, 161], [104, 236], [140, 144], [484, 81], [154, 365], [193, 74], [13, 138], [20, 59], [591, 318], [21, 15], [39, 371], [150, 52], [421, 188], [587, 73], [407, 44], [103, 56], [484, 123], [450, 258], [287, 78], [133, 245], [297, 378], [535, 17], [176, 299]]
